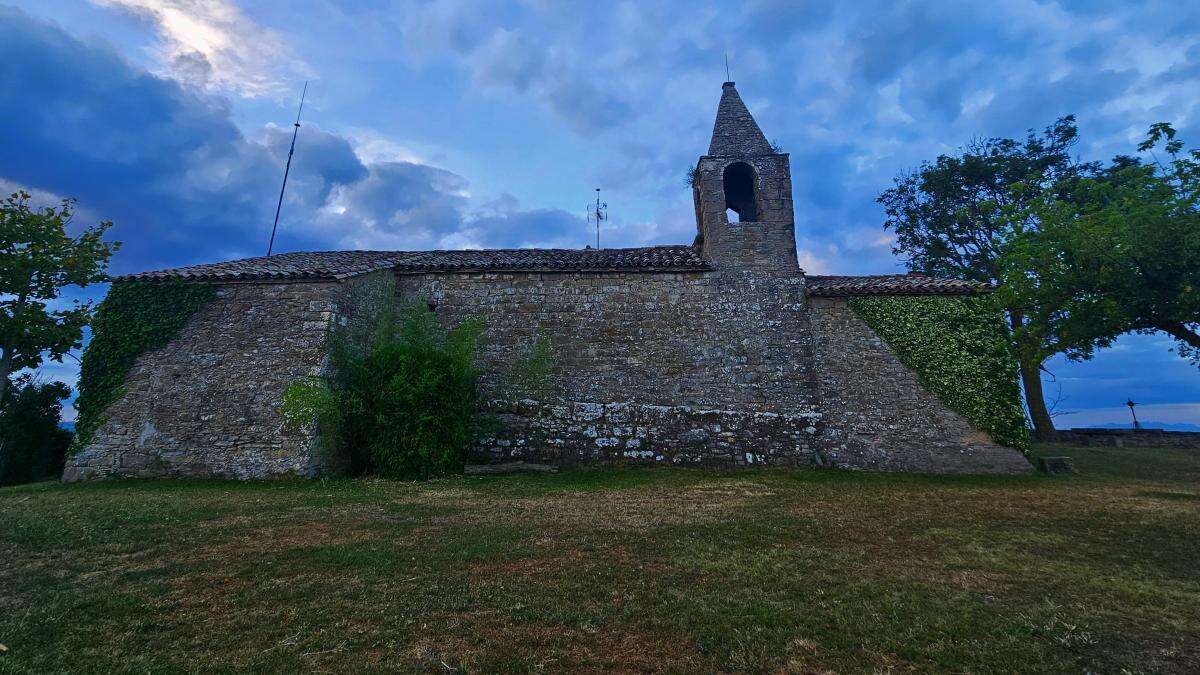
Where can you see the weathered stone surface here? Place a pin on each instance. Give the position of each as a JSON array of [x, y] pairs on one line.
[[1056, 465], [644, 365], [207, 404], [729, 368]]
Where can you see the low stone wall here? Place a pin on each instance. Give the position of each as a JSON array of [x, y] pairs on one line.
[[575, 431], [1130, 438]]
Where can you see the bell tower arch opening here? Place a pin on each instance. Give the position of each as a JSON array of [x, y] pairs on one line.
[[738, 183]]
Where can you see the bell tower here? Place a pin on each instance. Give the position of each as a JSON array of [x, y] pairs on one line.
[[743, 194]]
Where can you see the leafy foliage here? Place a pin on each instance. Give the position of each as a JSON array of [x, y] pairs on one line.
[[949, 215], [134, 318], [400, 403], [960, 351], [37, 260], [955, 217], [32, 446], [1119, 253]]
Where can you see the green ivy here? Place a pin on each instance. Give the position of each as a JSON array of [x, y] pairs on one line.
[[959, 348], [134, 318]]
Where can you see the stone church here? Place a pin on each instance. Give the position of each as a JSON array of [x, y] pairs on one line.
[[723, 352]]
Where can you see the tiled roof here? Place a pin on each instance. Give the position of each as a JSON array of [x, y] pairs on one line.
[[646, 259], [323, 265], [343, 264], [891, 284]]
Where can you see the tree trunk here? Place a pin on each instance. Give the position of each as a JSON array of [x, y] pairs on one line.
[[1180, 332], [6, 359], [1035, 400], [7, 349], [1031, 380]]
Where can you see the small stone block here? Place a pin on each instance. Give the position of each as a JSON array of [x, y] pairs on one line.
[[1056, 465]]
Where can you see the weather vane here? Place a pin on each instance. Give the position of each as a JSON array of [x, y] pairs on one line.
[[1136, 424], [596, 213]]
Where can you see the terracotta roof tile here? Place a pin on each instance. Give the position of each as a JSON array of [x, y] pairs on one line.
[[324, 265], [890, 284], [343, 264]]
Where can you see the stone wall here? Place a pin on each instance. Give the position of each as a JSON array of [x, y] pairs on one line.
[[207, 404], [1130, 438], [878, 416], [698, 367], [726, 368]]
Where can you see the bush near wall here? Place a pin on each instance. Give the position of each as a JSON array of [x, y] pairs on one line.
[[960, 350], [32, 445], [400, 398], [134, 318]]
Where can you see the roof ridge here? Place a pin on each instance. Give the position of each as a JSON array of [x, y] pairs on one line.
[[334, 265], [839, 285]]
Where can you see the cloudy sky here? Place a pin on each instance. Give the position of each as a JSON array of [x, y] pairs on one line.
[[450, 124]]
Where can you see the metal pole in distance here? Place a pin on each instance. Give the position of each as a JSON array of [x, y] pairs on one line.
[[287, 169]]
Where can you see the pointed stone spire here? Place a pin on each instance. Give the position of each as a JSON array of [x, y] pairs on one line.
[[735, 133]]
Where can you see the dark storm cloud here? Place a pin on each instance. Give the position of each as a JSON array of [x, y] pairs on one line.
[[80, 121], [327, 161], [183, 184]]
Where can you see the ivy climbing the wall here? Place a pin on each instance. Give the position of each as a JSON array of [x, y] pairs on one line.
[[134, 318], [959, 348]]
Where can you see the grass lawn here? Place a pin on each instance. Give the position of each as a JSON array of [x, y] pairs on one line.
[[613, 569]]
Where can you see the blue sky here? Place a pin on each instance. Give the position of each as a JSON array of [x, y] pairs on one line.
[[458, 124]]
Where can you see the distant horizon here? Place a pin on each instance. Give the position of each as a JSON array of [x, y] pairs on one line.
[[1149, 426]]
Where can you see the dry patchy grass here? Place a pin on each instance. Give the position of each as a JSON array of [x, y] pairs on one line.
[[612, 570]]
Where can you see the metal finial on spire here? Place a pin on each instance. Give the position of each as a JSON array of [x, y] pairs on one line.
[[287, 168], [727, 77]]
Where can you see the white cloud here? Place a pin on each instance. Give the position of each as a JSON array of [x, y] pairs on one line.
[[372, 146], [211, 43], [39, 199], [812, 264]]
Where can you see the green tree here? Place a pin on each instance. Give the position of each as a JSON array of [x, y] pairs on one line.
[[37, 260], [954, 218], [1119, 253], [32, 446]]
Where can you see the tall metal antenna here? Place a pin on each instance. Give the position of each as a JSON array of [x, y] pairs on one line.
[[287, 168], [727, 66], [597, 212]]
